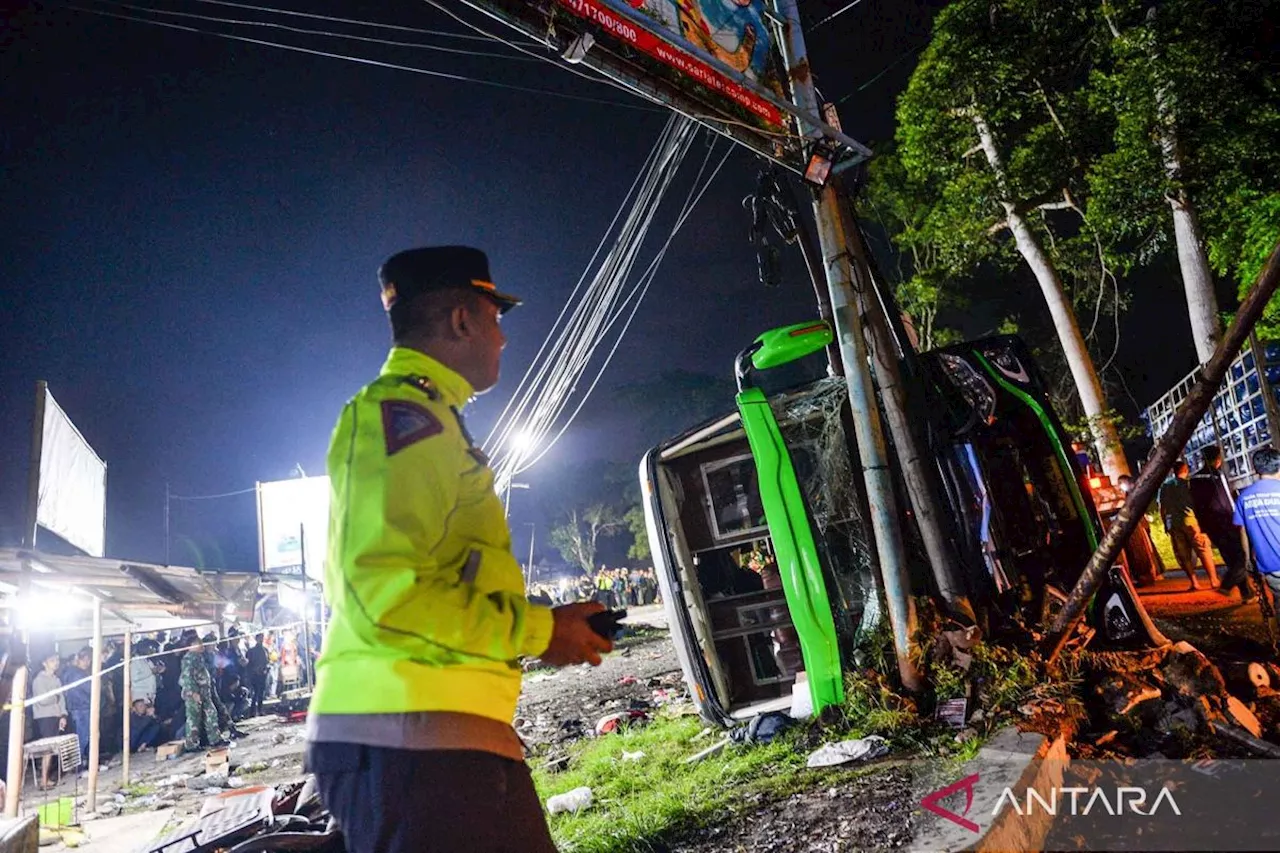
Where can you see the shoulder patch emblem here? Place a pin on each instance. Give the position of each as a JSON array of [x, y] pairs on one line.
[[405, 423]]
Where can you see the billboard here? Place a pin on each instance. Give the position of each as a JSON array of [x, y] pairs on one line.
[[717, 61], [288, 510], [71, 490], [733, 33]]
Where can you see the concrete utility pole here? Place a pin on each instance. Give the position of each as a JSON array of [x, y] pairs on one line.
[[918, 472], [873, 454]]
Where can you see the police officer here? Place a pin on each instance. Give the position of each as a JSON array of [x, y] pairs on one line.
[[409, 729]]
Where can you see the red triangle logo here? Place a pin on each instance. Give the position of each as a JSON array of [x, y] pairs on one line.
[[931, 802]]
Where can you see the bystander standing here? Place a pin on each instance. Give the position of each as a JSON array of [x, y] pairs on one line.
[[1179, 515], [1258, 516]]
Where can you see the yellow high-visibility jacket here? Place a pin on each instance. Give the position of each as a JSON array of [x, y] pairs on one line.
[[429, 607]]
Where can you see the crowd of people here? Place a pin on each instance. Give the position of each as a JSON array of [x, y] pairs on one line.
[[183, 686], [615, 588]]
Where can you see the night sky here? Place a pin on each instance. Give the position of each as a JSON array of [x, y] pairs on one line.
[[191, 229]]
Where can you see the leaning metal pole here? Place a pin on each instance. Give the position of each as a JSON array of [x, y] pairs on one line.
[[873, 454], [1166, 451]]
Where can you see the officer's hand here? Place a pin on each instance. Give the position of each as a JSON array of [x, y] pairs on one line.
[[572, 638]]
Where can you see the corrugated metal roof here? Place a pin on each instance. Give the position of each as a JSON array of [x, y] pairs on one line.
[[135, 596]]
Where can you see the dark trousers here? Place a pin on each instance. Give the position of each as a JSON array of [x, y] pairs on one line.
[[143, 731], [258, 689], [1227, 541], [429, 801], [80, 721]]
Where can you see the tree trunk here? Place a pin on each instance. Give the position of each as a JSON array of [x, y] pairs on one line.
[[1197, 281], [1088, 386]]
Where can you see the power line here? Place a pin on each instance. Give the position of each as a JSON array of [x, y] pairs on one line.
[[834, 15], [883, 71], [325, 33], [271, 10], [211, 497], [362, 60]]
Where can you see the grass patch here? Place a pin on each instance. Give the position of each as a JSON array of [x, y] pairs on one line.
[[640, 806], [636, 803]]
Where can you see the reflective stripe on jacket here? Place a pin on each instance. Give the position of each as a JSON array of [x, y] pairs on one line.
[[428, 602]]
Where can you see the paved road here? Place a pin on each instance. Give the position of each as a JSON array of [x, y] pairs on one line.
[[1206, 617]]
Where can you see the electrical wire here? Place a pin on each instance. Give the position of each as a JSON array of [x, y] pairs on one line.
[[324, 33], [837, 13], [647, 280], [534, 413], [551, 400], [271, 10], [211, 497], [596, 78], [362, 60], [533, 365]]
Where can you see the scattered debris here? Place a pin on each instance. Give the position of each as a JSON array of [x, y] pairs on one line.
[[632, 756], [1127, 698], [1247, 679], [952, 712], [763, 728], [571, 801], [1240, 714], [611, 723], [708, 752], [860, 749], [1190, 673]]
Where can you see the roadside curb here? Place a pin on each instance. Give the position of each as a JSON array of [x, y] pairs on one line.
[[1011, 759]]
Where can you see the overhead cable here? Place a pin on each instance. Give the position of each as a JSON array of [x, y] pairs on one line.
[[324, 33], [575, 341], [211, 497], [641, 290], [592, 327], [352, 21], [837, 13], [360, 59]]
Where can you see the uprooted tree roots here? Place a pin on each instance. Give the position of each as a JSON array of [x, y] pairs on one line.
[[1172, 702]]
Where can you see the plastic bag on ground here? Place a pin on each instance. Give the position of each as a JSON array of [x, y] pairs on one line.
[[861, 749], [570, 801]]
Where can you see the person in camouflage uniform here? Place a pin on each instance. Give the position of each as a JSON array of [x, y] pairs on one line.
[[197, 693]]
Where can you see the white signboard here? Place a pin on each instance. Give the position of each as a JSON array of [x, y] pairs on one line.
[[72, 492], [288, 510]]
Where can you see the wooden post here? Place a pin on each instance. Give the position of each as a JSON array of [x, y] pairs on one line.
[[128, 705], [17, 734], [95, 709], [1166, 451]]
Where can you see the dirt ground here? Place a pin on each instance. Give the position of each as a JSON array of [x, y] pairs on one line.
[[874, 811], [869, 812], [557, 706], [562, 705]]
